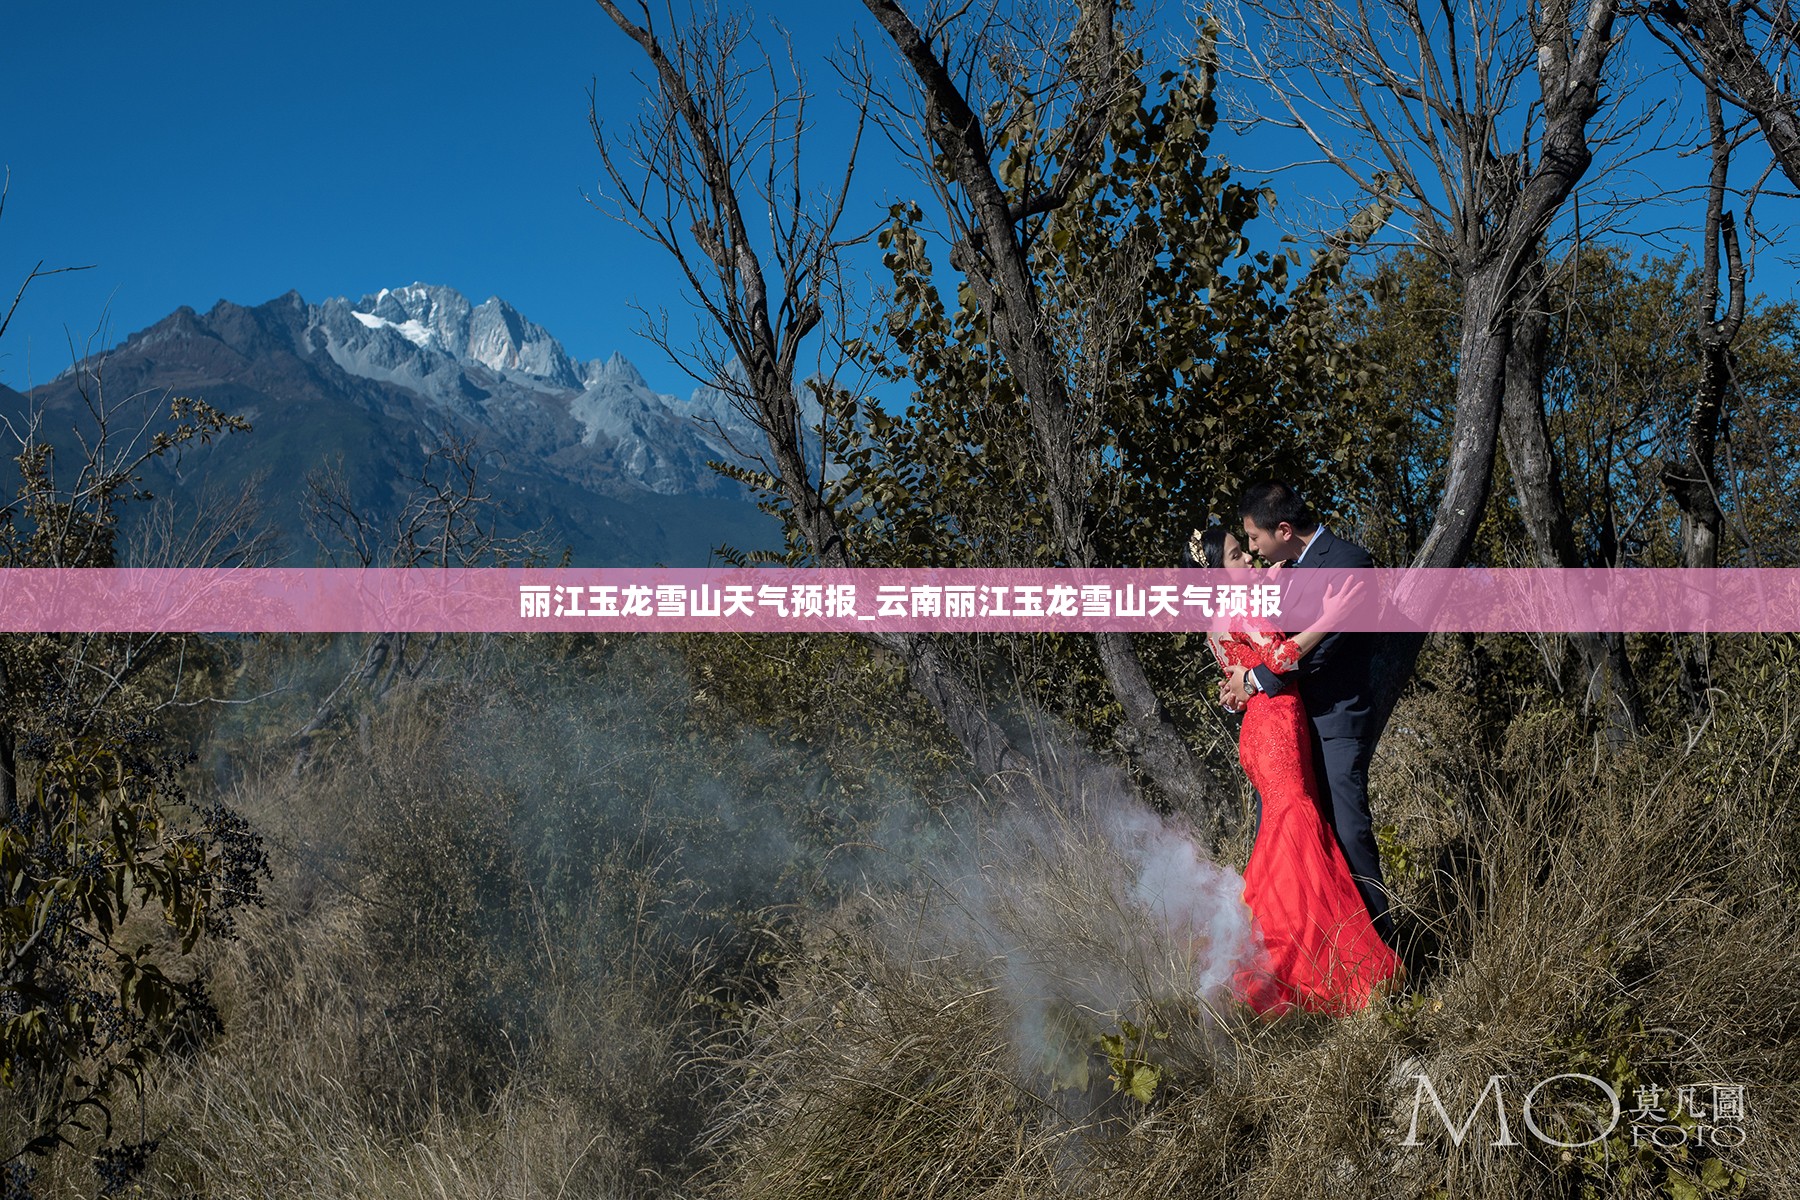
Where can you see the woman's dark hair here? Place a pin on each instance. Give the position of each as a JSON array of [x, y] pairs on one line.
[[1212, 548], [1271, 502]]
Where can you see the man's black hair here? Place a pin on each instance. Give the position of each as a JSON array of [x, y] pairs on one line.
[[1271, 502]]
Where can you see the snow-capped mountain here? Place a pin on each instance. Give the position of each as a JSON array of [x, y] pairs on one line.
[[384, 379], [490, 365], [493, 335]]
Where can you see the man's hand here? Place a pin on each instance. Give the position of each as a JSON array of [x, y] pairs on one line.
[[1235, 691]]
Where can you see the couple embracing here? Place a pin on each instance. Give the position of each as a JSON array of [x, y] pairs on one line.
[[1313, 883]]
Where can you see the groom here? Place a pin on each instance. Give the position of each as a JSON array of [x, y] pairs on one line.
[[1333, 682]]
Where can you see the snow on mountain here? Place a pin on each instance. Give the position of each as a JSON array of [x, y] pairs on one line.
[[606, 465], [493, 335], [487, 371], [488, 364], [411, 330]]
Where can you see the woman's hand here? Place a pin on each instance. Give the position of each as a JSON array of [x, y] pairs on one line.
[[1338, 601]]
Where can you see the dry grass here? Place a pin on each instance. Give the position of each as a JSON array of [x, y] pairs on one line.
[[876, 1078], [298, 1098], [1631, 916]]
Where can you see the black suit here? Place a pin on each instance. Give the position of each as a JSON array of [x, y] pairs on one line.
[[1334, 684]]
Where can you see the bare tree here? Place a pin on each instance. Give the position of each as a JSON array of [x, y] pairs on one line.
[[221, 527], [1413, 102], [706, 158], [37, 272], [694, 155], [1428, 105], [71, 518], [1744, 53], [1744, 50], [1537, 487], [708, 163], [449, 517], [992, 235], [1693, 480]]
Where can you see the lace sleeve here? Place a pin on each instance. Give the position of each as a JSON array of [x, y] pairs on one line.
[[1278, 651]]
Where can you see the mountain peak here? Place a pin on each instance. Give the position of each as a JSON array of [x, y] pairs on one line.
[[615, 368], [493, 334], [432, 318], [401, 366]]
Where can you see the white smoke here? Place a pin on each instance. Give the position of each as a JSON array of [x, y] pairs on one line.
[[1085, 911]]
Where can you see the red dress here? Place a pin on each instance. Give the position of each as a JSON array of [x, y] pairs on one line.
[[1320, 950]]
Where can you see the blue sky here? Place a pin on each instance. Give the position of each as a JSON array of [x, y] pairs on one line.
[[201, 150]]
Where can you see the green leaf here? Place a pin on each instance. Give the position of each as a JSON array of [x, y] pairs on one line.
[[1142, 1081]]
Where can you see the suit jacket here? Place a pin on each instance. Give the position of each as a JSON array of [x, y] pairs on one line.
[[1334, 678]]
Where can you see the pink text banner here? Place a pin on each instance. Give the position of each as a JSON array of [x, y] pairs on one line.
[[969, 600]]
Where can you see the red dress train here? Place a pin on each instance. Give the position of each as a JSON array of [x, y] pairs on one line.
[[1320, 948]]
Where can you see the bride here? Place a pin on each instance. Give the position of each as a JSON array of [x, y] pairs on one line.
[[1320, 951]]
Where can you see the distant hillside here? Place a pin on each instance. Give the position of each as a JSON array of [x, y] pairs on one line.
[[585, 451]]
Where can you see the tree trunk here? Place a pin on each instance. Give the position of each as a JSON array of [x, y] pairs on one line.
[[1693, 482], [965, 713], [1154, 745], [1537, 484], [996, 265], [9, 777], [1474, 433], [1715, 34], [1487, 336], [9, 759]]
